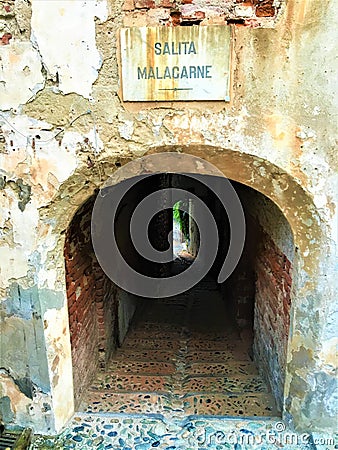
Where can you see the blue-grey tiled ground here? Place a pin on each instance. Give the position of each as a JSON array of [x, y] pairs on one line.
[[127, 432]]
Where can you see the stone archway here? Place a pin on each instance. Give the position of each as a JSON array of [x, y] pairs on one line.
[[255, 172]]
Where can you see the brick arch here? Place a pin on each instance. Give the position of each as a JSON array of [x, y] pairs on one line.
[[250, 170], [253, 171]]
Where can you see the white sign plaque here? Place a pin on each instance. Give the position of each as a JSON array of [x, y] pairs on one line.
[[175, 63]]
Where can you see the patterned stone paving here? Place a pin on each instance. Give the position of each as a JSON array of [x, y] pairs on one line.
[[139, 367], [230, 405], [220, 369], [145, 355], [216, 356], [153, 344], [117, 383], [127, 432], [238, 384], [176, 384], [182, 356]]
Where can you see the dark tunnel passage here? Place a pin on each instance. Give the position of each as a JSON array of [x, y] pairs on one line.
[[217, 349]]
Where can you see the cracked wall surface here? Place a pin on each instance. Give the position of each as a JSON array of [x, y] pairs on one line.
[[69, 52], [65, 130], [22, 59]]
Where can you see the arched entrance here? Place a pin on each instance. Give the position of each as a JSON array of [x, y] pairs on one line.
[[285, 193], [216, 349]]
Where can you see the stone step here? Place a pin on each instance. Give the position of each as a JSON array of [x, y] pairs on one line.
[[230, 385], [133, 383], [248, 405], [130, 354], [200, 336], [230, 369], [178, 385], [212, 356], [131, 403], [152, 327], [199, 344], [156, 334], [141, 368], [156, 344]]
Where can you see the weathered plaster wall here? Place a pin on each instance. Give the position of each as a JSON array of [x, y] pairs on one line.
[[65, 130], [69, 53]]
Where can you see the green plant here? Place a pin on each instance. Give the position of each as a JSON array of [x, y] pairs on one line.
[[182, 218]]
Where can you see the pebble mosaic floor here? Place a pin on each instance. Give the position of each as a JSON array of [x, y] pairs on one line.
[[180, 369], [182, 356], [119, 432]]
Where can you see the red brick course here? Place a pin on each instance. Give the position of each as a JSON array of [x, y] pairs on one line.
[[272, 311], [250, 13], [87, 288]]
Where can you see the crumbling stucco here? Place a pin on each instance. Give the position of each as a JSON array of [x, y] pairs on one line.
[[23, 60], [68, 51]]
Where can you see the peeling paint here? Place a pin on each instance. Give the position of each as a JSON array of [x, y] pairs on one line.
[[23, 60], [70, 56], [22, 191], [126, 129]]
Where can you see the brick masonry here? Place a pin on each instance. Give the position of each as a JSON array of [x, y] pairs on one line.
[[251, 13], [92, 304], [258, 295], [239, 289], [272, 313], [259, 290]]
